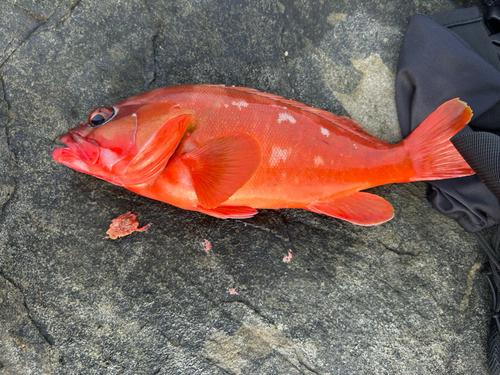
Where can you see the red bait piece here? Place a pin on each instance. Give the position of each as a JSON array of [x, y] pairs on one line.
[[123, 225]]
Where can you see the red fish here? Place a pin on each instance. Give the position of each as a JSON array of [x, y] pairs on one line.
[[226, 151]]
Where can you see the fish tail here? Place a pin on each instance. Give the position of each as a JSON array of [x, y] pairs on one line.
[[432, 154]]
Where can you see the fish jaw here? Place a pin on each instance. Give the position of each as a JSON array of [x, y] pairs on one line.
[[87, 150], [81, 154], [71, 157], [86, 155], [68, 158]]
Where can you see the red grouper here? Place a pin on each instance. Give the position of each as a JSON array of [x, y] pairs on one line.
[[226, 151]]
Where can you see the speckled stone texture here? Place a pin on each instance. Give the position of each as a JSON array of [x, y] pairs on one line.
[[405, 297]]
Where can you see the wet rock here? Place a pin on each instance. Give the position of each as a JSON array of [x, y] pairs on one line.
[[25, 349]]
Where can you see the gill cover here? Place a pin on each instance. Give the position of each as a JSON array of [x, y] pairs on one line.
[[160, 128]]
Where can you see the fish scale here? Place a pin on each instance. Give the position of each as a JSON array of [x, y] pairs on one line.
[[283, 148]]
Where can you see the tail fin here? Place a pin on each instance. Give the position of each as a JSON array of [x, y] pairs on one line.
[[432, 154]]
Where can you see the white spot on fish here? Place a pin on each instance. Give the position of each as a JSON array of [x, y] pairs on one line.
[[225, 105], [286, 117], [278, 106], [278, 155], [240, 104], [325, 131], [318, 160]]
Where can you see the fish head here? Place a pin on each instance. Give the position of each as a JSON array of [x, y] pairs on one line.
[[127, 143]]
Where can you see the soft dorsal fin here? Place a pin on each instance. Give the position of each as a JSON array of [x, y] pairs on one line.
[[341, 121], [359, 208], [221, 166]]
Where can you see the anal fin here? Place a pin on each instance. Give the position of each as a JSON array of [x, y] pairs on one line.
[[359, 208], [229, 212]]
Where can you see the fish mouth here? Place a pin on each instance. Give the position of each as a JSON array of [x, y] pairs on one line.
[[78, 149], [69, 141]]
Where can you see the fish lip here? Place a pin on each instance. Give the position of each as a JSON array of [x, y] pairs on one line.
[[61, 154], [74, 135], [69, 141], [78, 146], [65, 138]]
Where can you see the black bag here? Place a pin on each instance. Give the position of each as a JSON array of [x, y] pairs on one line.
[[438, 63], [445, 56]]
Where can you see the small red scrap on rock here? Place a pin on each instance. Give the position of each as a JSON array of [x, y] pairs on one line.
[[206, 245], [288, 258], [233, 291], [123, 225]]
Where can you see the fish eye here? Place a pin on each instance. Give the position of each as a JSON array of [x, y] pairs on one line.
[[100, 116]]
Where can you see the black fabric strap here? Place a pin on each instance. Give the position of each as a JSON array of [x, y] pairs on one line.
[[482, 151]]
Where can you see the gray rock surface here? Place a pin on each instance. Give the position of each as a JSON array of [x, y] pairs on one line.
[[404, 297]]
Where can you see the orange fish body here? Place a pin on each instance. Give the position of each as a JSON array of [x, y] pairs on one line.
[[226, 151]]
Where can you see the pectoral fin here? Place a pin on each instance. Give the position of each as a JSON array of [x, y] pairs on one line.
[[221, 166], [359, 208]]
